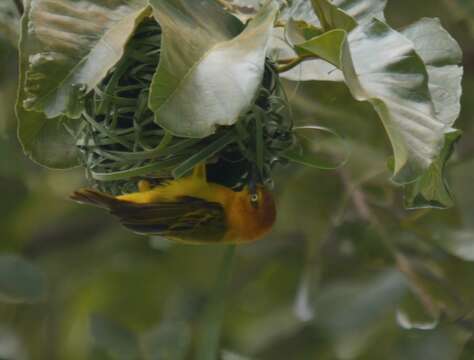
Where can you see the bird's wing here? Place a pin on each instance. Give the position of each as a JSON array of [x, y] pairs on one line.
[[187, 219]]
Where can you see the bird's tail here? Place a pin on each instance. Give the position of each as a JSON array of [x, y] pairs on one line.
[[95, 198]]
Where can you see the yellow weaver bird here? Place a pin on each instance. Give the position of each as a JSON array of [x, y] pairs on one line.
[[190, 210]]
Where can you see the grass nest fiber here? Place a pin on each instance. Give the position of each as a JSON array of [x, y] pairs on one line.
[[120, 143]]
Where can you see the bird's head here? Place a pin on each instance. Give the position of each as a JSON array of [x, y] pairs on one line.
[[253, 212]]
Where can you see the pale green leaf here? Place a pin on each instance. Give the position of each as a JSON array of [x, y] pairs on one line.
[[20, 281], [70, 47], [327, 46], [381, 66], [442, 56], [392, 77], [361, 10], [306, 71], [431, 189], [45, 141], [210, 70]]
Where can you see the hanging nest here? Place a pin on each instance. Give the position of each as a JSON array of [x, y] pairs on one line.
[[120, 143]]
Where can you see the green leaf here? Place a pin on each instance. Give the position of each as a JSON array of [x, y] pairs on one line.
[[431, 189], [441, 54], [70, 47], [361, 10], [45, 141], [301, 10], [327, 46], [20, 281], [210, 70], [381, 66], [308, 70], [114, 339]]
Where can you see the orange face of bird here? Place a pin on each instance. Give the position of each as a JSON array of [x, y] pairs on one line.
[[252, 215]]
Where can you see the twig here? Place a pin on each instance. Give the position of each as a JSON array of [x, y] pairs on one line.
[[19, 6]]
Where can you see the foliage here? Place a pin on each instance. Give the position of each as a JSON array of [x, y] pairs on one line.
[[348, 272], [405, 84]]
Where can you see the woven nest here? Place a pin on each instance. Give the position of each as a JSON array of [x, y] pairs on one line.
[[120, 143]]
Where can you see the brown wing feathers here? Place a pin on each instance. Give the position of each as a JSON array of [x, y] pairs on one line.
[[184, 215]]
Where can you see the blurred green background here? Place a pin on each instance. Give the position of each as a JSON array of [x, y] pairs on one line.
[[347, 273]]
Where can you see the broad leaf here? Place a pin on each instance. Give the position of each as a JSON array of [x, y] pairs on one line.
[[361, 10], [306, 71], [210, 70], [20, 281], [70, 46], [442, 55], [382, 67], [46, 141], [431, 189]]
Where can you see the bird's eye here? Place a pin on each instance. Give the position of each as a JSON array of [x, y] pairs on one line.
[[254, 200]]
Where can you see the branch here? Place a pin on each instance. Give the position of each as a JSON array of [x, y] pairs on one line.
[[19, 6]]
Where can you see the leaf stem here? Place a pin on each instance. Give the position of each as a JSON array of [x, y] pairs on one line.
[[288, 64]]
